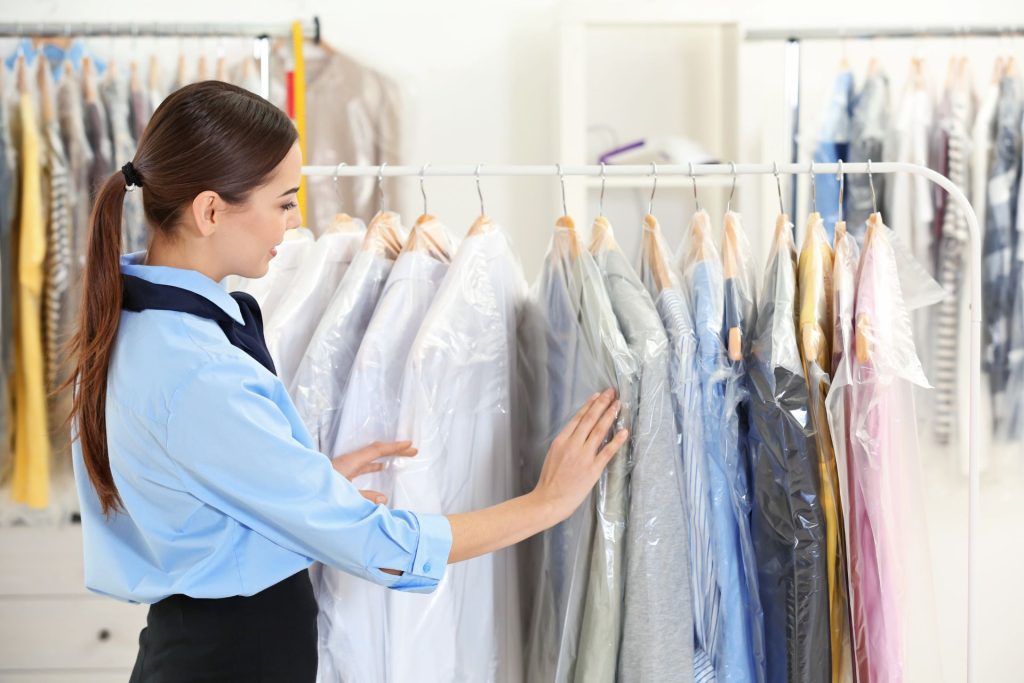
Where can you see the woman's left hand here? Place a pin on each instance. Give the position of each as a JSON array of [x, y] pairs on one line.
[[364, 461]]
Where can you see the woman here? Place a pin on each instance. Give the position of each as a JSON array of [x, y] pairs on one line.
[[200, 491]]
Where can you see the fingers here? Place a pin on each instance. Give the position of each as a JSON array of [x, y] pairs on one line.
[[570, 426], [593, 414], [380, 449], [596, 435], [370, 468], [374, 496], [612, 447]]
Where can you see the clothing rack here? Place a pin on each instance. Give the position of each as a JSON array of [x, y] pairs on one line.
[[795, 37], [970, 393], [260, 33]]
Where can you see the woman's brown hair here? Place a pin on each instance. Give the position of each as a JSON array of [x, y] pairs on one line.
[[205, 136]]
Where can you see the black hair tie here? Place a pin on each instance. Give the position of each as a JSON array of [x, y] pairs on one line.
[[132, 178]]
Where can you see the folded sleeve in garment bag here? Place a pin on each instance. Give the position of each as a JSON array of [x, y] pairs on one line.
[[255, 469]]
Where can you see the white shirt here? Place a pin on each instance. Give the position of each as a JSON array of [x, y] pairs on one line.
[[289, 329], [356, 641], [458, 407], [321, 380]]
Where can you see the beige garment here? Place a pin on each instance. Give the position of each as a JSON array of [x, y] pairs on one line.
[[352, 116]]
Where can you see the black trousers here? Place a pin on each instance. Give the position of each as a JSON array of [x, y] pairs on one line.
[[269, 637]]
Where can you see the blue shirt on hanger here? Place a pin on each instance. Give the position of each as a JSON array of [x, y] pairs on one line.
[[224, 493]]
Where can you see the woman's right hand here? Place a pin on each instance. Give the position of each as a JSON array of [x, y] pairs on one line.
[[576, 459]]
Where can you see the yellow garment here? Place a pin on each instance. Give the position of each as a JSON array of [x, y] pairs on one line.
[[299, 99], [815, 321], [30, 481]]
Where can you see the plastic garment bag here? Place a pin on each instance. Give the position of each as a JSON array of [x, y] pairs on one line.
[[664, 283], [289, 330], [572, 348], [358, 645], [732, 642], [815, 339], [459, 408], [787, 522], [321, 380], [657, 635], [873, 392], [740, 314]]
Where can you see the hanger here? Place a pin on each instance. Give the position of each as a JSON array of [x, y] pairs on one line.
[[45, 97], [601, 234], [782, 221], [22, 75], [482, 224], [182, 68], [566, 221], [700, 226], [864, 327], [89, 80], [840, 227], [655, 256], [382, 230], [601, 222], [154, 74], [342, 222], [730, 265], [222, 62], [202, 70]]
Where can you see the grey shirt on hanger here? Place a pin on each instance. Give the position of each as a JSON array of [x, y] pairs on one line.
[[657, 625]]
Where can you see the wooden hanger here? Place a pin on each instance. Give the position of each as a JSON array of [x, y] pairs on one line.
[[481, 225], [342, 223], [22, 76], [699, 230], [222, 69], [917, 74], [430, 237], [154, 74], [203, 69], [134, 82], [864, 328], [602, 236], [840, 231], [45, 97], [89, 81], [381, 233], [182, 69], [730, 269], [655, 256], [569, 225]]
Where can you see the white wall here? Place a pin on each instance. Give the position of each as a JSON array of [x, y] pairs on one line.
[[480, 79]]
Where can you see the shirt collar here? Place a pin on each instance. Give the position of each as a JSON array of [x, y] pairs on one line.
[[192, 280]]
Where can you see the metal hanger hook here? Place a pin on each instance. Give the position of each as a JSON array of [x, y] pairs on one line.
[[423, 191], [654, 188], [696, 199], [337, 192], [380, 184], [814, 191], [600, 201], [871, 184], [561, 178], [479, 192], [732, 192], [842, 179], [778, 185]]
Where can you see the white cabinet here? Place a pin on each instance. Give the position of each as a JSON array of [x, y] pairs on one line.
[[51, 628]]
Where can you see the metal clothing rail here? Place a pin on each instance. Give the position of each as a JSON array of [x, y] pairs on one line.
[[970, 393], [260, 33], [794, 38]]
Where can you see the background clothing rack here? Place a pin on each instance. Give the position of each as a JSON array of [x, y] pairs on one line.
[[260, 33], [970, 394], [794, 38]]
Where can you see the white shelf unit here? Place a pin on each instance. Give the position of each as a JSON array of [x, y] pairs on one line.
[[646, 75]]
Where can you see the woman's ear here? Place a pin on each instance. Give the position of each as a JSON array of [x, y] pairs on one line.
[[206, 209]]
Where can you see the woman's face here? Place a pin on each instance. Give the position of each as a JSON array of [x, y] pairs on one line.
[[250, 233]]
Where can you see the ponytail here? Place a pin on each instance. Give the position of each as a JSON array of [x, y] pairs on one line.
[[204, 136], [93, 342]]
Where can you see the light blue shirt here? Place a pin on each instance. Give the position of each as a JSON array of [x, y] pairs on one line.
[[223, 491]]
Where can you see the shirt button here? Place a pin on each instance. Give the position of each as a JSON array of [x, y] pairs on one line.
[[426, 567]]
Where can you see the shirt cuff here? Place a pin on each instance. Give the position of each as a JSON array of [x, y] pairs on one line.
[[431, 560]]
